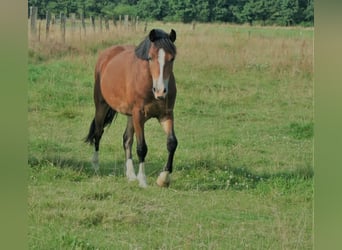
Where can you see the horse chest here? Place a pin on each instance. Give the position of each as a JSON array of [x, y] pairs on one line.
[[154, 109]]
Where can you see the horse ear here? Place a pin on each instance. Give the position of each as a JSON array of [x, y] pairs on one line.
[[152, 35], [172, 35]]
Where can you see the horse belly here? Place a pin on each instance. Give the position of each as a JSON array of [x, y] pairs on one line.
[[114, 89], [116, 101]]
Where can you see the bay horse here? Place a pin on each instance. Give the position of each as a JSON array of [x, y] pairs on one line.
[[139, 83]]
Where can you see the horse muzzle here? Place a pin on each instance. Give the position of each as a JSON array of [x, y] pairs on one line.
[[159, 94]]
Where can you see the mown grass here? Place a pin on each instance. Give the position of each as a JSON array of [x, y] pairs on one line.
[[69, 209], [243, 168]]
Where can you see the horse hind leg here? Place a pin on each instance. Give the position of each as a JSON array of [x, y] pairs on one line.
[[104, 115], [91, 138]]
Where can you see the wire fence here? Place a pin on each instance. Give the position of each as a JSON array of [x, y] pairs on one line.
[[55, 27]]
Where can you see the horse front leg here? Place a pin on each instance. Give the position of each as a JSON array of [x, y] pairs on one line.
[[138, 124], [164, 177], [127, 145]]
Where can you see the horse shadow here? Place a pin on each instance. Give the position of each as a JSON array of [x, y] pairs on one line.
[[81, 166], [107, 168], [241, 174]]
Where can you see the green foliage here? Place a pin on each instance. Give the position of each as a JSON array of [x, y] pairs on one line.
[[124, 9], [281, 12]]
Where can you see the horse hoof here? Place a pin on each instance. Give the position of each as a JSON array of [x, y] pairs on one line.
[[142, 184], [142, 180], [95, 167], [164, 179], [131, 178]]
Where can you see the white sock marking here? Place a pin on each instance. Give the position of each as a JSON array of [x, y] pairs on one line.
[[141, 175], [95, 161], [130, 173]]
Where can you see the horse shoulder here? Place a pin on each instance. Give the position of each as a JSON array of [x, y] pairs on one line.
[[107, 55]]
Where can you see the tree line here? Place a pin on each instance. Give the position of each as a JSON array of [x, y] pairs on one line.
[[264, 12]]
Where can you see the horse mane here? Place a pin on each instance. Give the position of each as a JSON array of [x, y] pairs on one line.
[[162, 41]]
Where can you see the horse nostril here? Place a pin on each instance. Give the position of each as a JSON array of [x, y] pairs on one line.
[[164, 90], [154, 89]]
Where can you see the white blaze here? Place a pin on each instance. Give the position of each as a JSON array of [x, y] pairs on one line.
[[161, 83]]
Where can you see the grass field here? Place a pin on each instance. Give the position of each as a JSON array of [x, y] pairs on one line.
[[243, 174]]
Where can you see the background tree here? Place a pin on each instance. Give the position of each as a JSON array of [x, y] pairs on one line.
[[265, 12]]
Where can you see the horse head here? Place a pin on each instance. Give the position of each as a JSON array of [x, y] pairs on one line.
[[160, 52]]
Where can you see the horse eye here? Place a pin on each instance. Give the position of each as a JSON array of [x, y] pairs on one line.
[[172, 59], [149, 58]]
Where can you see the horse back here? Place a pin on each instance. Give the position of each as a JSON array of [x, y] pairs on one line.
[[106, 55]]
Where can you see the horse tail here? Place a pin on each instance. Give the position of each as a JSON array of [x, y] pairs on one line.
[[110, 116], [90, 138]]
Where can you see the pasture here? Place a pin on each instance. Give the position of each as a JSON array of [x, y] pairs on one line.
[[243, 169]]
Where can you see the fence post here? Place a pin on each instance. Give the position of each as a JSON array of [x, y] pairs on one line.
[[107, 23], [33, 20], [73, 23], [145, 27], [136, 23], [101, 23], [63, 20], [114, 21], [83, 23], [193, 25], [39, 25], [93, 22], [47, 29], [53, 19], [126, 22]]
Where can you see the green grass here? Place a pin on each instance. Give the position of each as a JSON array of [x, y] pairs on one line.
[[69, 209], [243, 168]]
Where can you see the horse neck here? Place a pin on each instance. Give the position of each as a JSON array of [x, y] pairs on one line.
[[142, 71]]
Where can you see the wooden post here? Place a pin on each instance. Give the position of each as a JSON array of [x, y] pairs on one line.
[[47, 28], [114, 21], [80, 33], [136, 23], [83, 23], [145, 27], [126, 22], [53, 19], [93, 22], [101, 23], [193, 25], [33, 20], [63, 20], [39, 24], [107, 24], [73, 23], [53, 22]]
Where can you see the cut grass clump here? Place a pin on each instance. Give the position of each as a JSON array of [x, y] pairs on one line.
[[301, 130]]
